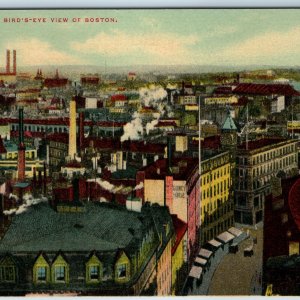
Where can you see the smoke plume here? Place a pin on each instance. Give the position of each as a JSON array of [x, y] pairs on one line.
[[28, 202]]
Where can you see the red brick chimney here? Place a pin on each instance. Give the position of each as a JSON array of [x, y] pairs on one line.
[[81, 129], [21, 148], [15, 62], [8, 61]]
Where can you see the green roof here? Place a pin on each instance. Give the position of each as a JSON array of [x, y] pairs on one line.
[[100, 227], [13, 147], [229, 124], [21, 184]]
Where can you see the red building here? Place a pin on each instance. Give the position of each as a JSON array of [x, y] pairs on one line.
[[56, 81], [175, 183]]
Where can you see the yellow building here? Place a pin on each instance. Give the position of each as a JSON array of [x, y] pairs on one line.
[[178, 258], [217, 207], [220, 100], [9, 159], [181, 143], [9, 78], [164, 271]]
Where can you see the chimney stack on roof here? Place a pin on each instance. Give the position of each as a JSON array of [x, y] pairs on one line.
[[8, 61], [14, 62], [72, 130], [21, 148]]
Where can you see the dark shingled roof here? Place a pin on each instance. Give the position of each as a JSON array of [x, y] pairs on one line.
[[100, 227], [265, 89], [257, 144]]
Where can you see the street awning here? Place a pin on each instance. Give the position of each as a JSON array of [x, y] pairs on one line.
[[215, 243], [205, 253], [196, 272], [235, 231], [201, 261], [225, 237]]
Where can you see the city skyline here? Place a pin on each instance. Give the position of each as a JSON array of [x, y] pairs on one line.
[[155, 37]]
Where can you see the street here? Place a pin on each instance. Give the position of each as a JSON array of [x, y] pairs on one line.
[[239, 275]]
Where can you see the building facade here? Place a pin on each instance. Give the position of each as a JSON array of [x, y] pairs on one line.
[[217, 201], [99, 249], [257, 162]]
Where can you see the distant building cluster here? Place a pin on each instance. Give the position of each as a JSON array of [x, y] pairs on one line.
[[125, 185]]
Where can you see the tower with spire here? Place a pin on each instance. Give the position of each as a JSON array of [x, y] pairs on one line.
[[229, 135]]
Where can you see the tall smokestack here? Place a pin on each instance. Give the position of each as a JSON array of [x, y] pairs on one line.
[[45, 180], [21, 148], [169, 151], [72, 130], [8, 61], [14, 61], [81, 129], [75, 184], [182, 87]]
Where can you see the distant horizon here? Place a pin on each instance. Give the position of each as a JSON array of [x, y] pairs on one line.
[[143, 69]]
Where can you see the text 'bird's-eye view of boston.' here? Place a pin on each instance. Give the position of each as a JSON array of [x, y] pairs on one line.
[[149, 152]]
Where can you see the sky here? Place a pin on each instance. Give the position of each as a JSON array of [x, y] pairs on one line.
[[224, 37]]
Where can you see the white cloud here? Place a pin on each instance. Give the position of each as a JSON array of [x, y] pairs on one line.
[[36, 52], [166, 48], [270, 47]]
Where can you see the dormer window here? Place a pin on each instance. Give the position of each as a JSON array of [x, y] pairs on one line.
[[121, 269], [41, 273], [60, 270], [60, 274], [94, 270], [7, 270]]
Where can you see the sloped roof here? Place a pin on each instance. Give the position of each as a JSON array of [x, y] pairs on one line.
[[229, 124], [101, 228], [265, 89]]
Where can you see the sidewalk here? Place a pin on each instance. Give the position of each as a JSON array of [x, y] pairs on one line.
[[245, 272], [203, 287]]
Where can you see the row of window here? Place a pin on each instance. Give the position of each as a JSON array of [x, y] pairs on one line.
[[267, 168], [28, 154], [41, 128], [269, 155], [208, 208], [216, 189], [59, 271], [214, 175], [214, 163]]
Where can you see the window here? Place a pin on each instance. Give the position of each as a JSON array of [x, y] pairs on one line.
[[121, 269], [60, 273], [7, 273], [41, 274], [94, 272]]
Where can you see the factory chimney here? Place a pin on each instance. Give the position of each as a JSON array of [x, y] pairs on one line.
[[14, 62], [72, 130], [21, 148], [81, 130], [7, 61], [169, 152]]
